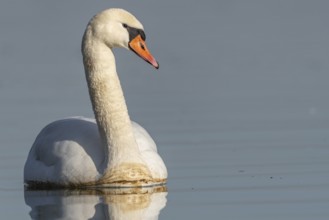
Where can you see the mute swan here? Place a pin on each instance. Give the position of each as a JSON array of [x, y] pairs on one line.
[[111, 151]]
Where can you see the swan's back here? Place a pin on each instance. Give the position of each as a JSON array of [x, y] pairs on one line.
[[62, 147], [65, 145]]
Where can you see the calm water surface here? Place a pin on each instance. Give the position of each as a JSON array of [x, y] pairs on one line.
[[239, 108]]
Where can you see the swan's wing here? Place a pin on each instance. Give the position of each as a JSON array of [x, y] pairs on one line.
[[66, 150], [143, 139], [149, 152]]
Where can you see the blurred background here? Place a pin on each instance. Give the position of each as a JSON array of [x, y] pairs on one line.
[[242, 92]]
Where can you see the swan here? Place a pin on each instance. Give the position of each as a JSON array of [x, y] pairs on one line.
[[110, 150]]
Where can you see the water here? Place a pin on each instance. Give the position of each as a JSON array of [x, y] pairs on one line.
[[238, 108]]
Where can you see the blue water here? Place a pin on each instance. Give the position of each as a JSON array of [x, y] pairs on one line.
[[239, 107]]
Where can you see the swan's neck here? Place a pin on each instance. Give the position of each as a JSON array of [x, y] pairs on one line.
[[108, 104]]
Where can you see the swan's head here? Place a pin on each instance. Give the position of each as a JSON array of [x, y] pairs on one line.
[[119, 28]]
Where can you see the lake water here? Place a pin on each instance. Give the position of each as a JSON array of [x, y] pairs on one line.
[[239, 107]]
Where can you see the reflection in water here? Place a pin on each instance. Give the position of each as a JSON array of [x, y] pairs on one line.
[[141, 203]]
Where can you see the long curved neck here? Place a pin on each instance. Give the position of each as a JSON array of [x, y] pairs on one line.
[[108, 102]]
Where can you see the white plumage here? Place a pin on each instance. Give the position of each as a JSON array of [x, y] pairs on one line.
[[77, 151]]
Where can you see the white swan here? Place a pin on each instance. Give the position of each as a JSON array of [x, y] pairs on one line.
[[113, 151]]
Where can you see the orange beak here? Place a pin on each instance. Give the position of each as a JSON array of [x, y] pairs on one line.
[[139, 47]]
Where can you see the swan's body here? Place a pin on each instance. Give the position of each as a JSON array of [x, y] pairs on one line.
[[113, 151]]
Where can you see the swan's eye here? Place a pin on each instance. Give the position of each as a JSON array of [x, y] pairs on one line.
[[125, 25]]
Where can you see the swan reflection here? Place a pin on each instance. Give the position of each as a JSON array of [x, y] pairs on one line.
[[130, 203]]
